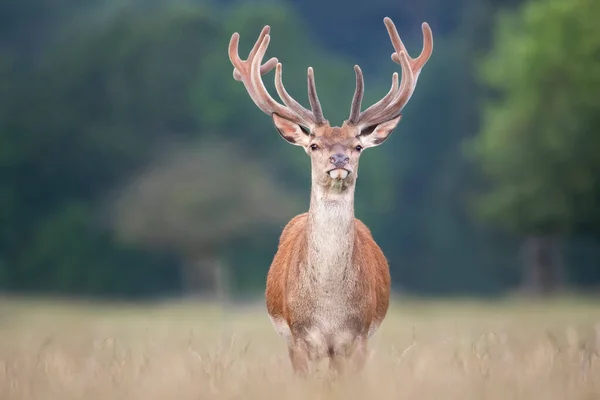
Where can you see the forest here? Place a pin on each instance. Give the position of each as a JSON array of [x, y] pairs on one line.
[[133, 165]]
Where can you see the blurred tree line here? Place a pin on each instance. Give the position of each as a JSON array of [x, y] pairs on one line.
[[133, 164]]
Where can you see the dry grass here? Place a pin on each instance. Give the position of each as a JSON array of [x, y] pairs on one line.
[[451, 350]]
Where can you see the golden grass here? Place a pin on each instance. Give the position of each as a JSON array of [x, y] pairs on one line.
[[424, 350]]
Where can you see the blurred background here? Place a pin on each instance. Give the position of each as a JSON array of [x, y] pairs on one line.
[[134, 166]]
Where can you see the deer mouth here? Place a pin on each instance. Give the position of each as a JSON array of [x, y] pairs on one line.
[[338, 173]]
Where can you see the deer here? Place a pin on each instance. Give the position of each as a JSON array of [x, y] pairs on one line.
[[328, 285]]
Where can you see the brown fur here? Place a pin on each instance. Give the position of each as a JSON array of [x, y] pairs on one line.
[[290, 259], [369, 260], [328, 287]]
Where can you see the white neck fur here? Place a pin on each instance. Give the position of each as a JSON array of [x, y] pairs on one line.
[[330, 236]]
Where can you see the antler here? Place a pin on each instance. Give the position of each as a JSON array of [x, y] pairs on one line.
[[249, 72], [391, 105]]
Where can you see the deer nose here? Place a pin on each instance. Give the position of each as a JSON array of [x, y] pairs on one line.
[[339, 160]]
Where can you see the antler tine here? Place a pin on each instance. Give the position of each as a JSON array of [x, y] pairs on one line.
[[317, 112], [358, 95], [315, 104], [269, 105], [286, 98], [242, 67], [394, 108], [393, 103], [234, 54], [416, 64], [264, 69], [383, 103], [249, 72]]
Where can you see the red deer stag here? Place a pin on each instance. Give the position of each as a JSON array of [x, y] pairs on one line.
[[328, 286]]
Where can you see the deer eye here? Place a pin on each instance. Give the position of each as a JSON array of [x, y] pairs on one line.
[[314, 147], [358, 148]]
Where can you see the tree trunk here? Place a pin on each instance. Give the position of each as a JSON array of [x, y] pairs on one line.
[[221, 282], [543, 265], [206, 276], [193, 276]]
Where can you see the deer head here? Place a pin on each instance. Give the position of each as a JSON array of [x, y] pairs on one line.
[[334, 151]]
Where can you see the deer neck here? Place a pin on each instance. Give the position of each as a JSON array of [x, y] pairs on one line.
[[330, 234]]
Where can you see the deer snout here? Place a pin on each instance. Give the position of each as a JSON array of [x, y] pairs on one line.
[[339, 160]]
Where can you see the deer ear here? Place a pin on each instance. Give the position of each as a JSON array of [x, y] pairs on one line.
[[291, 131], [376, 134]]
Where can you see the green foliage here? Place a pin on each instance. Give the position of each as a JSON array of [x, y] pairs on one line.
[[539, 145], [96, 109], [201, 198], [67, 253], [116, 87], [92, 93]]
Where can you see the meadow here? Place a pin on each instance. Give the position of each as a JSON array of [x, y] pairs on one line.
[[509, 349]]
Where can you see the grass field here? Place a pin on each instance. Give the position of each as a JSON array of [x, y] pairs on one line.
[[424, 350]]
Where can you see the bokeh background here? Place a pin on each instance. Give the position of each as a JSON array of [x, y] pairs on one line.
[[134, 166]]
